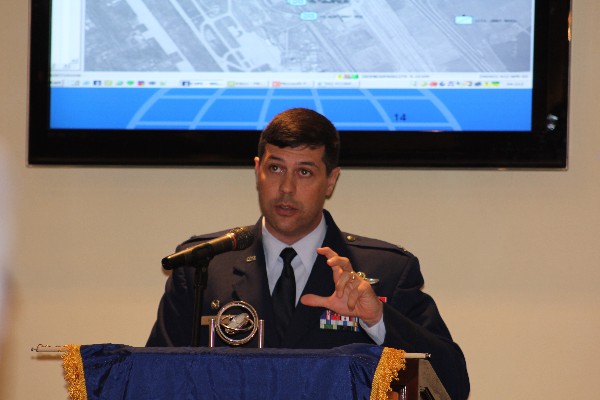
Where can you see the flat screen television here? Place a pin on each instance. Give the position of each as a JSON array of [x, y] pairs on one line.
[[408, 83]]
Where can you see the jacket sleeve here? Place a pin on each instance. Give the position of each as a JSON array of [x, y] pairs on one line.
[[173, 326], [414, 324]]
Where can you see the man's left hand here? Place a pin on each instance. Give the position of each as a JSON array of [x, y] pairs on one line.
[[353, 296]]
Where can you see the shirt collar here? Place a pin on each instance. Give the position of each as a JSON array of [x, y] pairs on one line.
[[305, 247]]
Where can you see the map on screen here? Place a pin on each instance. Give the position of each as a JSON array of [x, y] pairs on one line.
[[233, 64]]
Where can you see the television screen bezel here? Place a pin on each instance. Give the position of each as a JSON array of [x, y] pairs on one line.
[[544, 147]]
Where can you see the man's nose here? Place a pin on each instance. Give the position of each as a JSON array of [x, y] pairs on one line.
[[288, 183]]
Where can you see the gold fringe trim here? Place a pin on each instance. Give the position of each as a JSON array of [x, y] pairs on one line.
[[391, 361], [73, 368]]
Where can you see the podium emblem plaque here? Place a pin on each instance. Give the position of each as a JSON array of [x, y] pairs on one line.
[[237, 323]]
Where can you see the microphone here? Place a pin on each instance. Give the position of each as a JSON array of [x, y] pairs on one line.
[[236, 239]]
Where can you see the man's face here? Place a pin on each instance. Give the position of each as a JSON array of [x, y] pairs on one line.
[[292, 186]]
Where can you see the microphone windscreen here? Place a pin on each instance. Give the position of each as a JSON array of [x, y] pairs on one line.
[[243, 237]]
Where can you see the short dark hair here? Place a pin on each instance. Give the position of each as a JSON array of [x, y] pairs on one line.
[[298, 127]]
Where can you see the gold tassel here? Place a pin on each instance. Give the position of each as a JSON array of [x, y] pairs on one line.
[[391, 361], [73, 368]]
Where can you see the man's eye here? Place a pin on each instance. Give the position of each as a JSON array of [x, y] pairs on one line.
[[274, 168], [305, 172]]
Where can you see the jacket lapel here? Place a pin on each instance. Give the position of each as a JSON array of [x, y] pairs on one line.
[[251, 284]]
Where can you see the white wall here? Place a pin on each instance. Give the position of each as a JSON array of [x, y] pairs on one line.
[[511, 257]]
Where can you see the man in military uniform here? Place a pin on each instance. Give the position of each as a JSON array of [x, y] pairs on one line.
[[348, 288]]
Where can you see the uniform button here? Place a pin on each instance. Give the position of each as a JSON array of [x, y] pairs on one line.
[[351, 238]]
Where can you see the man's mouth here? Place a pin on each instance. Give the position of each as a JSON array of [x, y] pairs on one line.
[[285, 209]]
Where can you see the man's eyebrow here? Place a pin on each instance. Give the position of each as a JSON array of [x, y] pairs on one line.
[[301, 163], [272, 157], [308, 164]]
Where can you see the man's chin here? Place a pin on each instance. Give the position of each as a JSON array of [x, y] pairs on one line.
[[285, 229]]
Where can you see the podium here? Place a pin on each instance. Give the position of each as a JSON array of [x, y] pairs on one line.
[[419, 382], [112, 371]]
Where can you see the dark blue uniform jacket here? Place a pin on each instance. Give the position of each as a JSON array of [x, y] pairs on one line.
[[411, 318]]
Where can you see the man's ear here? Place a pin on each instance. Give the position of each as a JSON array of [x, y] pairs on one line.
[[332, 180], [256, 168], [256, 163]]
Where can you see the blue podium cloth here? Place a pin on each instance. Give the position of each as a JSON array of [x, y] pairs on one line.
[[115, 371]]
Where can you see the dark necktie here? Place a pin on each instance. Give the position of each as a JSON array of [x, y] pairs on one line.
[[284, 294]]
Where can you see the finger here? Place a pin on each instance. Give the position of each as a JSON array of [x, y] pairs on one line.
[[347, 284], [353, 282], [341, 283], [332, 257], [326, 252], [312, 300], [334, 260], [341, 262], [353, 297]]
